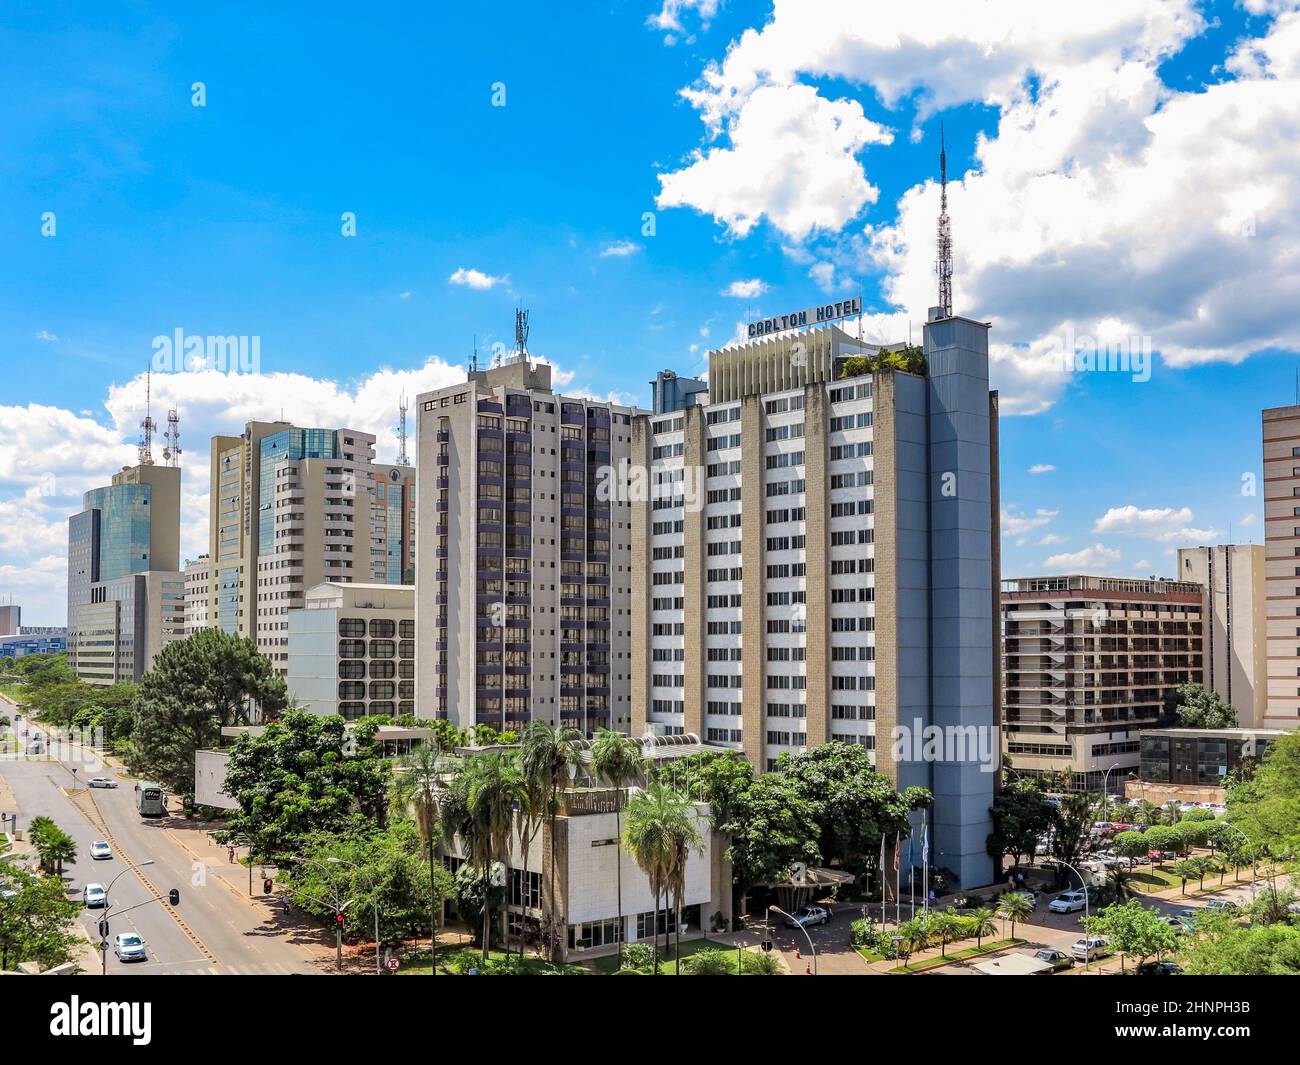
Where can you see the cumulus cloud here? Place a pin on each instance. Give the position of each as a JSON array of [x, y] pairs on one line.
[[472, 278], [1042, 467], [1016, 524], [745, 290], [619, 249], [1165, 525], [1092, 560]]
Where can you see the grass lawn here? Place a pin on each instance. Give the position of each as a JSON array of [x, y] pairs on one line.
[[609, 964], [418, 965], [1155, 879], [959, 955]]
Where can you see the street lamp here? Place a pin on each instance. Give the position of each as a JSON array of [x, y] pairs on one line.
[[811, 946], [337, 903], [1087, 953], [1254, 870], [370, 877], [108, 909]]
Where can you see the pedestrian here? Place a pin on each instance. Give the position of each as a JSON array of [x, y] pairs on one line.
[[230, 854]]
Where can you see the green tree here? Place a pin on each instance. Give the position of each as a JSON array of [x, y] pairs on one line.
[[497, 791], [1013, 907], [197, 686], [35, 921], [617, 761], [1260, 950], [53, 845], [416, 788], [981, 924], [1185, 870], [1195, 706], [947, 926], [659, 833], [1021, 814], [1072, 827], [915, 934], [1162, 838], [304, 774], [549, 754], [1133, 929], [1130, 844], [1268, 807]]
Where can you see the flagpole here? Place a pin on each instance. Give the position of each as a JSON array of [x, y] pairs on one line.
[[925, 861], [898, 889]]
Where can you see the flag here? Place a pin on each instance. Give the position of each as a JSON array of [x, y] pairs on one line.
[[882, 852], [898, 848], [925, 844]]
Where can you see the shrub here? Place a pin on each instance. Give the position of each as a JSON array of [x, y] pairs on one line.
[[640, 956], [709, 963], [760, 963]]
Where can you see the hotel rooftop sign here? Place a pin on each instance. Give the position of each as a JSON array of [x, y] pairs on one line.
[[799, 319]]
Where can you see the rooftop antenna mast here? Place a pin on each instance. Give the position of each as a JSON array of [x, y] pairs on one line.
[[172, 450], [473, 359], [521, 333], [402, 458], [943, 261], [147, 426]]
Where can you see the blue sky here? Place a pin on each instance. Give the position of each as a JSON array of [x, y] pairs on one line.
[[1133, 170]]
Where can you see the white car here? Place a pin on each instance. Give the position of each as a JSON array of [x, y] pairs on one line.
[[100, 850], [1069, 902], [102, 782], [809, 915], [94, 896], [129, 947], [1089, 949]]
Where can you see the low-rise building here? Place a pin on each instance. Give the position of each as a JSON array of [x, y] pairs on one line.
[[351, 650], [1194, 764], [34, 641]]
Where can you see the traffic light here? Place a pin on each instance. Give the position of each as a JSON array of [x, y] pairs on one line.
[[266, 886], [767, 945], [103, 929], [338, 918], [174, 897]]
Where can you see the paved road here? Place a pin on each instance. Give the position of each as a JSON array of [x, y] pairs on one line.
[[213, 931]]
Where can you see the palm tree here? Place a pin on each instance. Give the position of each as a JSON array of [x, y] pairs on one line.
[[497, 792], [616, 759], [915, 934], [981, 924], [946, 925], [1014, 907], [659, 833], [417, 789], [549, 753]]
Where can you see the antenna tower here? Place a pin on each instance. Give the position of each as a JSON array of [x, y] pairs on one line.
[[172, 450], [943, 261], [521, 333], [402, 458], [147, 426]]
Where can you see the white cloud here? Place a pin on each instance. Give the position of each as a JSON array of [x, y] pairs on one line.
[[1248, 519], [1102, 195], [1142, 567], [813, 183], [45, 336], [472, 278], [1016, 524], [619, 249], [1163, 524], [745, 290], [669, 17], [1092, 560], [404, 295], [1042, 467], [1051, 540]]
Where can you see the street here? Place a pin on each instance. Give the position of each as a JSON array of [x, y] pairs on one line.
[[212, 931]]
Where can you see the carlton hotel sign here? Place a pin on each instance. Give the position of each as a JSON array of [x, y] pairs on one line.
[[799, 319]]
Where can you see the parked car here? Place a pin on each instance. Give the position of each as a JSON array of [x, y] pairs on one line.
[[94, 895], [1223, 906], [808, 916], [1057, 959], [100, 850], [1070, 902], [1090, 948], [129, 947], [1159, 968], [102, 782]]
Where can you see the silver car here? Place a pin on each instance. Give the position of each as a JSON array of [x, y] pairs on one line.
[[100, 850], [129, 947]]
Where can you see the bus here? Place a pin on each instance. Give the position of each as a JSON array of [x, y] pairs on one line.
[[150, 799]]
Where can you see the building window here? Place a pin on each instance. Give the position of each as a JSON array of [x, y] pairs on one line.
[[383, 627]]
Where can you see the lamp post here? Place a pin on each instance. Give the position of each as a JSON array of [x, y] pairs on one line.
[[811, 946], [1087, 952], [1254, 870], [337, 903], [108, 909]]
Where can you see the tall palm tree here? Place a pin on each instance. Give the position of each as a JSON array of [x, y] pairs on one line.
[[417, 789], [496, 792], [616, 759], [660, 833], [1014, 907], [981, 924], [548, 751], [946, 926]]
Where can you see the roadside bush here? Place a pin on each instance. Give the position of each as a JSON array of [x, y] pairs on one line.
[[709, 963], [640, 956], [760, 963]]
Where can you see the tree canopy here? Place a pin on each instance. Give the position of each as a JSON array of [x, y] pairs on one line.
[[1195, 706]]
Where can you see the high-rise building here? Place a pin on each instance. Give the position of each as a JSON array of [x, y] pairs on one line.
[[817, 560], [392, 521], [291, 508], [352, 650], [123, 571], [11, 618], [523, 579], [198, 594], [1089, 664], [1233, 606], [1282, 564]]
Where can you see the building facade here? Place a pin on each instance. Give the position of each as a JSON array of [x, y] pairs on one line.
[[1188, 757], [1233, 605], [1281, 427], [822, 562], [198, 594], [291, 508], [36, 640], [352, 650], [1089, 663], [123, 569], [11, 619], [523, 577]]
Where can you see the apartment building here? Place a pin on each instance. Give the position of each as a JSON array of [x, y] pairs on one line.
[[1233, 605], [1282, 564], [1089, 663], [291, 507], [822, 558], [124, 574], [523, 578], [198, 594], [352, 650]]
